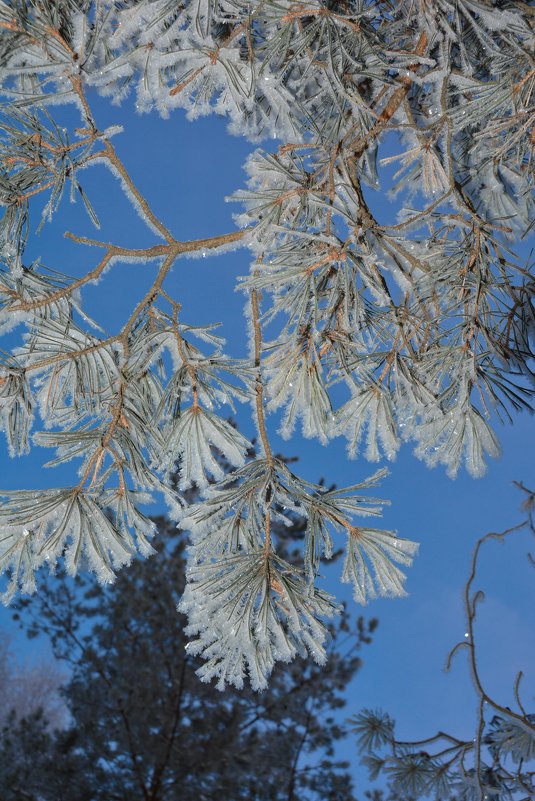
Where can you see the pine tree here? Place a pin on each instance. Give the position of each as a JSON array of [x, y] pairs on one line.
[[423, 321], [143, 727]]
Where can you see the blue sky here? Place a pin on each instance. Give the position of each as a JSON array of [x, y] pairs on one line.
[[186, 169]]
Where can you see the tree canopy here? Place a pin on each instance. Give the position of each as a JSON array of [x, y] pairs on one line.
[[142, 727], [415, 328]]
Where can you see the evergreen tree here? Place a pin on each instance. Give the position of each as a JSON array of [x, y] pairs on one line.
[[423, 323], [144, 727]]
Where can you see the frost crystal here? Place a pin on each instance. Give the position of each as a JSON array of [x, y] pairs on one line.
[[411, 327]]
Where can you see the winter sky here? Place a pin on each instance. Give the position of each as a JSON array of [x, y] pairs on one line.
[[186, 169]]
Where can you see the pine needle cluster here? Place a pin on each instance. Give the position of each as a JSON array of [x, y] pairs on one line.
[[423, 321]]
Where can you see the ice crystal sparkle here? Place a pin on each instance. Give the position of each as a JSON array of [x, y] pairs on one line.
[[425, 322]]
